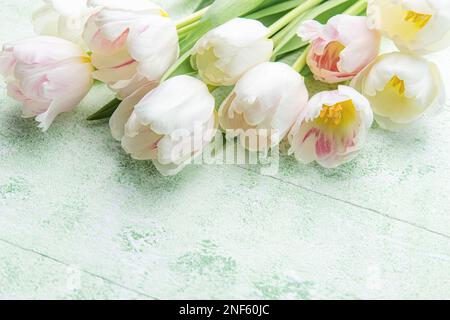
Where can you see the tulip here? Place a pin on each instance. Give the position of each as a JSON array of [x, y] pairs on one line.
[[401, 88], [341, 48], [48, 75], [332, 129], [264, 105], [419, 26], [132, 42], [225, 53], [62, 18], [169, 125]]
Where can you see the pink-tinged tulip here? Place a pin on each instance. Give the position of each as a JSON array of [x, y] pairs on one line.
[[48, 75], [333, 128], [132, 42], [341, 48]]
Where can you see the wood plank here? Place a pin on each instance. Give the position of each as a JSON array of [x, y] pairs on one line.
[[216, 232], [70, 197], [29, 275]]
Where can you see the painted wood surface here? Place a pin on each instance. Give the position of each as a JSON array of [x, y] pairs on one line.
[[80, 219]]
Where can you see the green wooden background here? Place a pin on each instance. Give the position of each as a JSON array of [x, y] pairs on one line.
[[80, 219]]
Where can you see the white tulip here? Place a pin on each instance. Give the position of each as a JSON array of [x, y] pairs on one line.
[[332, 129], [225, 53], [401, 88], [62, 18], [264, 105], [133, 42], [170, 124], [419, 26], [48, 75]]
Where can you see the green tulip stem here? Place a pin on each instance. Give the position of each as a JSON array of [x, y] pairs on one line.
[[289, 17], [300, 63], [196, 16]]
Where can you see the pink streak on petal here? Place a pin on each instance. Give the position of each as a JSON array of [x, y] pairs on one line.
[[329, 59], [154, 146], [145, 28], [127, 63], [15, 92], [312, 131], [106, 45], [323, 146]]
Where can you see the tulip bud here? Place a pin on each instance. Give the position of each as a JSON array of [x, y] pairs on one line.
[[225, 53], [48, 75], [332, 129], [62, 18], [419, 26], [132, 42], [341, 48], [401, 88], [264, 105], [170, 125]]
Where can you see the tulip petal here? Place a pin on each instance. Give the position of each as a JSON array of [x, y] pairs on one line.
[[143, 146], [419, 26], [422, 89], [166, 112], [45, 21], [123, 112], [225, 53], [62, 18], [341, 48], [132, 42], [48, 75], [264, 105], [318, 138], [175, 154], [146, 48]]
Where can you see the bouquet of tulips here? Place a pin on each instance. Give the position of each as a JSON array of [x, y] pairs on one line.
[[166, 72]]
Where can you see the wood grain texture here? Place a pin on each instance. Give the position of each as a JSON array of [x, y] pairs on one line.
[[80, 219]]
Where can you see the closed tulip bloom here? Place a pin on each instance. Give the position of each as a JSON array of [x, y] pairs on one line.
[[48, 75], [401, 88], [341, 48], [132, 42], [62, 18], [419, 26], [332, 129], [264, 105], [225, 53], [170, 124]]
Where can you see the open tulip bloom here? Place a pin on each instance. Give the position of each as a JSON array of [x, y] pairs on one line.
[[333, 128], [401, 88], [164, 72], [341, 48], [419, 26]]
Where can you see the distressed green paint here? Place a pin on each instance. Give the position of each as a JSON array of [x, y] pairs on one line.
[[79, 219]]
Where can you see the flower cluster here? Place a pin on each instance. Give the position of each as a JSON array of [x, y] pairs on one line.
[[164, 72]]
